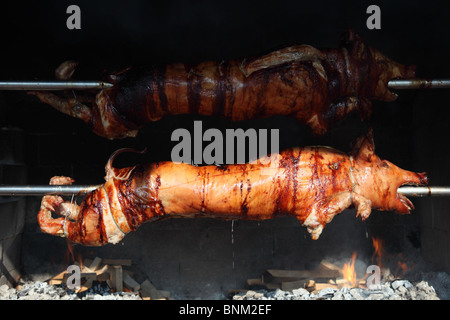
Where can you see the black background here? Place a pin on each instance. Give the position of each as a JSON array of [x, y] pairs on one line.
[[115, 34], [412, 132]]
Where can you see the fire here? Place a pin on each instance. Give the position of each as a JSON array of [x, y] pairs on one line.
[[348, 271], [378, 249], [402, 268], [80, 261], [71, 253]]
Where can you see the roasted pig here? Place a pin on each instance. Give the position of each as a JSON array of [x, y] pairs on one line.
[[313, 184], [317, 87]]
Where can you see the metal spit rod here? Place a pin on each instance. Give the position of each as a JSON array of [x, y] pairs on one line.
[[86, 85], [90, 85], [39, 190], [424, 191], [419, 84], [54, 85]]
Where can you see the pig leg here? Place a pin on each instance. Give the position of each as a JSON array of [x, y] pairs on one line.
[[363, 206], [47, 223], [325, 212], [55, 203], [70, 106], [73, 106], [337, 111], [65, 70], [66, 209]]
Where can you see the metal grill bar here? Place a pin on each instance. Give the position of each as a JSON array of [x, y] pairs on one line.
[[53, 85], [98, 85], [39, 190], [419, 84], [424, 191]]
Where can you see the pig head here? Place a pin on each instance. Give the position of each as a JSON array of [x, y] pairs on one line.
[[376, 181], [371, 183]]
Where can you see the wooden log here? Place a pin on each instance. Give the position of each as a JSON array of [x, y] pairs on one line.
[[130, 273], [130, 283], [291, 285], [341, 281], [95, 264], [118, 262], [63, 276], [326, 265], [85, 264], [83, 275], [164, 294], [103, 273], [310, 285], [60, 275], [145, 295], [85, 285], [272, 286], [57, 279], [148, 289], [116, 278], [279, 276], [254, 282]]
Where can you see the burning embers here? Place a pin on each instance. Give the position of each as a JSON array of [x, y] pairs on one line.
[[348, 272], [99, 278], [332, 282], [375, 273]]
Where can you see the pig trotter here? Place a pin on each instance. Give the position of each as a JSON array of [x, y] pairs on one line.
[[55, 203]]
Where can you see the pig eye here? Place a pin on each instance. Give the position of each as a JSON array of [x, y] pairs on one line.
[[384, 164]]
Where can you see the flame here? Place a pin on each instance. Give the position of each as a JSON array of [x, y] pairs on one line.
[[348, 271], [80, 261], [402, 267], [378, 249], [71, 254], [70, 249]]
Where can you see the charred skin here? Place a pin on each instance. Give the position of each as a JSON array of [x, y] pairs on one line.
[[313, 184], [317, 87]]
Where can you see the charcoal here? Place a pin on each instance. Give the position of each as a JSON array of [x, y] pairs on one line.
[[43, 291], [300, 294], [401, 283], [327, 292], [390, 290]]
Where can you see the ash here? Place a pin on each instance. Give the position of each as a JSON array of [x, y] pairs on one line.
[[37, 290], [393, 290]]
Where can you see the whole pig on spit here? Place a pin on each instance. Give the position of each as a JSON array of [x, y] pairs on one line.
[[313, 184], [316, 87]]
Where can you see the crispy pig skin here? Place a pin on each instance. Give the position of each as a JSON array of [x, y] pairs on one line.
[[314, 184], [317, 87]]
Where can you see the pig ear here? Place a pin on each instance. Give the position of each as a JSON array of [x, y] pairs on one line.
[[364, 147]]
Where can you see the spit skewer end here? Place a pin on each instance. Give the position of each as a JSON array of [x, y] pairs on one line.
[[419, 84], [40, 190]]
